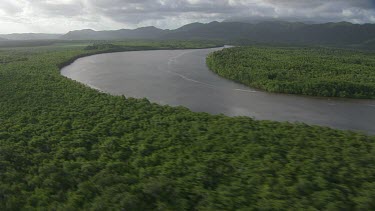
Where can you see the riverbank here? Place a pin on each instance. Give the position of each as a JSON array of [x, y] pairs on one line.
[[181, 78], [312, 71]]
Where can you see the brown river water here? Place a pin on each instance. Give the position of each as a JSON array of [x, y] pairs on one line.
[[181, 78]]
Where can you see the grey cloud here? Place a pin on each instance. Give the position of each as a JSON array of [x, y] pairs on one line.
[[315, 3], [10, 7], [358, 11], [133, 12], [56, 8], [197, 10], [172, 13]]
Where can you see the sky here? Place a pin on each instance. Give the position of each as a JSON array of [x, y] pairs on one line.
[[61, 16]]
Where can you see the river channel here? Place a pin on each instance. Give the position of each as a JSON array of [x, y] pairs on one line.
[[181, 78]]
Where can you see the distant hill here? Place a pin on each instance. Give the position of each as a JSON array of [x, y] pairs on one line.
[[213, 30], [3, 39], [255, 20], [280, 32], [140, 33], [273, 31], [191, 27], [30, 36]]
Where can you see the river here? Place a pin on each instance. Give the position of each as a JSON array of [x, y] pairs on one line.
[[181, 78]]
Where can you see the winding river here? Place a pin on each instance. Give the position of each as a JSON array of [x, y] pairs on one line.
[[181, 78]]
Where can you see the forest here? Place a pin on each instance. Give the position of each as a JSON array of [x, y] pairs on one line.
[[314, 71], [64, 146]]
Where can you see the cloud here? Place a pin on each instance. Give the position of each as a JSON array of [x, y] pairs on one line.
[[64, 8], [10, 7], [65, 15], [316, 3]]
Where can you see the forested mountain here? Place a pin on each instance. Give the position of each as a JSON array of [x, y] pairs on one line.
[[271, 31], [342, 33], [255, 20], [140, 33], [281, 32], [30, 36]]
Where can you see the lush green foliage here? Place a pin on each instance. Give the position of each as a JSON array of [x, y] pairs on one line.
[[64, 146], [307, 71]]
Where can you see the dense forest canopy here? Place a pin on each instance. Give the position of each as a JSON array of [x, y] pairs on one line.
[[64, 146], [324, 72]]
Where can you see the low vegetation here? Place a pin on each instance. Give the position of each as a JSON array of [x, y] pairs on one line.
[[307, 71], [141, 45], [64, 146]]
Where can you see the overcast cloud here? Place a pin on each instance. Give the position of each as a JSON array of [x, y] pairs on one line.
[[60, 16]]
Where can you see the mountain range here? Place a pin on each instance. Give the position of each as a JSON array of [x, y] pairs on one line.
[[343, 33], [273, 31], [140, 33]]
